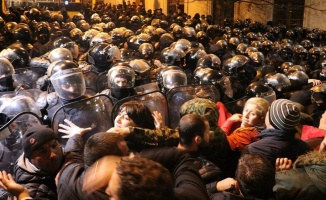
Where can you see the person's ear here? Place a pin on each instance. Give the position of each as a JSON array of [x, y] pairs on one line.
[[197, 139]]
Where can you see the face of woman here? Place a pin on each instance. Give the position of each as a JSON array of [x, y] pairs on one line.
[[123, 120], [250, 116]]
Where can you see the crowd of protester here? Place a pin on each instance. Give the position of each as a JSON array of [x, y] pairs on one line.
[[122, 103]]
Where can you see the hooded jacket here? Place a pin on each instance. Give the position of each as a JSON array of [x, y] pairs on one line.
[[307, 180], [38, 184]]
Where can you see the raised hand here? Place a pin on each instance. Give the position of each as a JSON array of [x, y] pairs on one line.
[[72, 129]]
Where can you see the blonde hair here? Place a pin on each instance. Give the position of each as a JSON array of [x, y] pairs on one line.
[[262, 105]]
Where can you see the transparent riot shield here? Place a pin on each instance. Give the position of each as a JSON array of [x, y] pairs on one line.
[[27, 77], [32, 93], [102, 82], [236, 106], [5, 96], [147, 88], [155, 101], [91, 82], [11, 133], [94, 112], [179, 95]]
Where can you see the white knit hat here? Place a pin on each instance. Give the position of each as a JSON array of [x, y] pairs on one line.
[[284, 115]]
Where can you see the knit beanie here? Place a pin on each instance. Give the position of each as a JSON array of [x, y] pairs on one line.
[[35, 137], [284, 115]]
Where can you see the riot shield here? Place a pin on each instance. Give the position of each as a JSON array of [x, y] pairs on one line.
[[94, 112], [5, 96], [32, 93], [155, 101], [147, 88], [179, 95], [102, 82], [91, 82], [27, 77], [11, 133]]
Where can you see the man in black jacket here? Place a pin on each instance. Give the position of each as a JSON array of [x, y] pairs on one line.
[[37, 167]]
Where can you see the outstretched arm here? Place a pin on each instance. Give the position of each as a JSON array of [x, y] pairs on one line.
[[8, 183]]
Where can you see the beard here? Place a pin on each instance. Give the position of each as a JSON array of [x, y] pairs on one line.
[[203, 145]]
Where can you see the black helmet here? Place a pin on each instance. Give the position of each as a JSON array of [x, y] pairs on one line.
[[223, 44], [61, 42], [161, 70], [164, 24], [192, 56], [135, 20], [109, 26], [171, 56], [77, 17], [286, 53], [211, 76], [65, 42], [257, 59], [117, 36], [307, 44], [76, 35], [126, 55], [257, 44], [259, 89], [60, 65], [105, 18], [69, 84], [60, 54], [267, 46], [121, 76], [22, 32], [43, 32], [285, 67], [233, 43], [87, 37], [318, 94], [103, 54], [95, 18], [177, 32], [18, 57], [239, 67], [6, 67], [189, 33], [322, 74], [278, 81], [165, 40], [298, 78], [34, 14], [300, 52], [69, 26], [241, 49], [211, 61], [314, 54], [99, 38], [174, 78], [142, 70], [146, 51]]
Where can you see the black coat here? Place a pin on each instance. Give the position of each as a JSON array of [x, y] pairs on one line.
[[39, 186], [275, 143], [71, 176]]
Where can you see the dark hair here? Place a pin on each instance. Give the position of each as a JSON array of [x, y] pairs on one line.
[[139, 113], [190, 126], [101, 144], [142, 178], [255, 176]]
